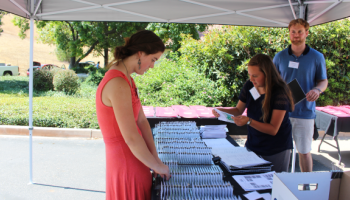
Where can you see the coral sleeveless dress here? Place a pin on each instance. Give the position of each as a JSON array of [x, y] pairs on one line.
[[126, 177]]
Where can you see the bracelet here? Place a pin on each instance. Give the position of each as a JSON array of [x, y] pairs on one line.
[[318, 89]]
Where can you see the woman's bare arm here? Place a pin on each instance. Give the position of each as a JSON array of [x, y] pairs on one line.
[[118, 92]]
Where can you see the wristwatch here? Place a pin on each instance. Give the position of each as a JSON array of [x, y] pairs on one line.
[[249, 121], [319, 90]]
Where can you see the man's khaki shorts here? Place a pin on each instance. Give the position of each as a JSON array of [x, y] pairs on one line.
[[302, 130]]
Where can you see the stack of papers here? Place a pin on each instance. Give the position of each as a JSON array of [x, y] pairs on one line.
[[213, 131], [184, 111], [239, 157], [237, 160], [253, 182], [148, 110], [248, 170], [165, 112], [203, 112]]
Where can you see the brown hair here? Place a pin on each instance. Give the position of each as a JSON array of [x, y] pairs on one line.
[[272, 80], [299, 21], [145, 41]]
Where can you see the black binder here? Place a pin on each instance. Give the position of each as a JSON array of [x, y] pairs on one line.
[[297, 91]]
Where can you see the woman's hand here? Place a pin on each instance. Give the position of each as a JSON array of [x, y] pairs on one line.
[[216, 114], [159, 162], [163, 171], [240, 120]]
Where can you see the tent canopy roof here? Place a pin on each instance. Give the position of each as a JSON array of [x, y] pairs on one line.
[[271, 13]]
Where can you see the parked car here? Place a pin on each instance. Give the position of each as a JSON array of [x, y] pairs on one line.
[[90, 63], [85, 64], [8, 70], [49, 67], [35, 63], [45, 67], [34, 69]]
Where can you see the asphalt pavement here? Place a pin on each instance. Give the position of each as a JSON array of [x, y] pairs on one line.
[[63, 168]]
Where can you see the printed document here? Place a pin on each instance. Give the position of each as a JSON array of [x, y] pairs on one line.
[[224, 116], [253, 182]]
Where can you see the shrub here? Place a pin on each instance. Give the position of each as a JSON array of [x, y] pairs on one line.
[[67, 81], [55, 70], [84, 68], [332, 39], [62, 112], [96, 76], [42, 80], [91, 68], [170, 83]]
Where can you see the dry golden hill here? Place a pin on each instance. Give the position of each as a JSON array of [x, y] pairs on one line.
[[15, 51]]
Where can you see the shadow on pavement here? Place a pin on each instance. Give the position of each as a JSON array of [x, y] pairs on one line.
[[317, 166], [70, 188]]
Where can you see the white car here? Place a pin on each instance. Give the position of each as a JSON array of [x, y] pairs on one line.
[[8, 70]]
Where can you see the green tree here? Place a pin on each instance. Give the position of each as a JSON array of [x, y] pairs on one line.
[[111, 34], [171, 32], [2, 13], [79, 39]]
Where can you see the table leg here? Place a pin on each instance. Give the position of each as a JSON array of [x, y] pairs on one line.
[[336, 141], [319, 146]]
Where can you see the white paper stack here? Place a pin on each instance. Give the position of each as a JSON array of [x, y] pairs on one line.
[[253, 182], [237, 160], [239, 157], [213, 131]]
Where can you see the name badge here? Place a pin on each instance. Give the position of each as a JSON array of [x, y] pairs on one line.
[[254, 92], [294, 65]]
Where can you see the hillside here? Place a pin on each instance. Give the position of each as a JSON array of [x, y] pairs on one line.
[[15, 51]]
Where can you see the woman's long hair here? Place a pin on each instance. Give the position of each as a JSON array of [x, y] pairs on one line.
[[272, 80], [145, 41]]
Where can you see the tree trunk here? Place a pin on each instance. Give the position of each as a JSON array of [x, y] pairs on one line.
[[105, 56], [72, 62]]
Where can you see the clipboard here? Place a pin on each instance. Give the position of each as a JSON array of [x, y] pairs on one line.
[[297, 92]]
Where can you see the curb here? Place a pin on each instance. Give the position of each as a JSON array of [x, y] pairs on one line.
[[50, 132], [93, 133]]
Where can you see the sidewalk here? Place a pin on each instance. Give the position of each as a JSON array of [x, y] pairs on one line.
[[73, 166]]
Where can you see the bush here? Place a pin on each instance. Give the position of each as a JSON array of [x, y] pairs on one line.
[[91, 68], [84, 68], [61, 112], [96, 76], [170, 83], [66, 81], [43, 80], [332, 39], [55, 70]]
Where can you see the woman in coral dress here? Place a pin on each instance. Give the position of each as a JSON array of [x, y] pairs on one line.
[[130, 149]]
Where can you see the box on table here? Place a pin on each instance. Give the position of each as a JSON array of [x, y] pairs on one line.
[[311, 185]]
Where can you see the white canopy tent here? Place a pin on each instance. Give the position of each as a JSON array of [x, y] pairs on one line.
[[272, 13], [269, 13]]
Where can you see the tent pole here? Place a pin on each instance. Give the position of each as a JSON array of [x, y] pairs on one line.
[[302, 16], [301, 11], [31, 101], [31, 49]]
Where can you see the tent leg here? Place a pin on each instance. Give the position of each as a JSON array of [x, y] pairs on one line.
[[31, 101]]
